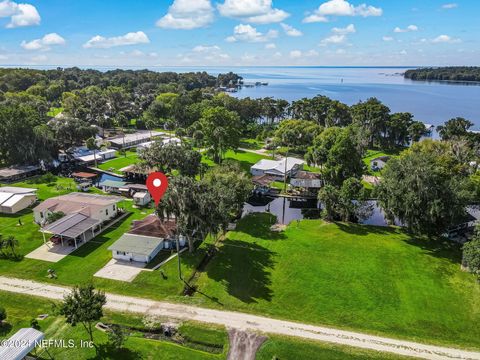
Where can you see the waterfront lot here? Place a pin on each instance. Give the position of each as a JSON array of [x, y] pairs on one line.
[[372, 279]]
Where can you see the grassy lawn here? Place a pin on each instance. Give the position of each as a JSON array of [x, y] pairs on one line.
[[289, 348], [244, 158], [21, 309], [251, 144], [372, 279], [54, 111], [372, 154], [119, 162]]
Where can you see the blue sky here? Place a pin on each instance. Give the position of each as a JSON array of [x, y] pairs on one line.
[[239, 32]]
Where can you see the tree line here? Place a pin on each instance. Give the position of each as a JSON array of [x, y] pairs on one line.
[[449, 73]]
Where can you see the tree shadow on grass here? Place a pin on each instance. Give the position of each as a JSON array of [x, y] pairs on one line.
[[438, 247], [245, 269], [258, 225], [106, 351], [5, 328], [363, 230]]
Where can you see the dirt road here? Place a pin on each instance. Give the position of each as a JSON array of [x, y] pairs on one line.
[[248, 322]]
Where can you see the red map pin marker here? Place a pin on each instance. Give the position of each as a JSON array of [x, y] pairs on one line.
[[157, 184]]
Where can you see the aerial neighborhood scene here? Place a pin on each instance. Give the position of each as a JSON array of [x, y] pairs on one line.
[[239, 179]]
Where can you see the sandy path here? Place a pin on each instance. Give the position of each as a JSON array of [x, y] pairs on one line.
[[249, 322]]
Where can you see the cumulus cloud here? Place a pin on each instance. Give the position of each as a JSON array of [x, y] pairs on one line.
[[187, 15], [450, 6], [20, 14], [131, 38], [248, 33], [206, 52], [44, 43], [252, 11], [270, 46], [387, 38], [203, 48], [290, 30], [350, 29], [409, 28], [339, 35], [341, 8], [445, 39]]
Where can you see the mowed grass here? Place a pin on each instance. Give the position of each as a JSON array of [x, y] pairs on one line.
[[373, 154], [371, 279], [277, 347], [121, 161], [245, 158], [21, 309]]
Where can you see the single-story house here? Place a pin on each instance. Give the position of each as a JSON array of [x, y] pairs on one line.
[[277, 168], [84, 215], [146, 145], [112, 186], [379, 163], [17, 173], [134, 139], [86, 156], [144, 240], [20, 344], [307, 180], [15, 199]]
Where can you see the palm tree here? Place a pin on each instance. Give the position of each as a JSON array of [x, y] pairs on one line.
[[12, 243]]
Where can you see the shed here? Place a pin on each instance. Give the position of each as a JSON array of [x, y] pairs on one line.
[[379, 162], [133, 247], [21, 344], [15, 199], [141, 198], [112, 186]]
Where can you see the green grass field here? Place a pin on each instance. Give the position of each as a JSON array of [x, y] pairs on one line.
[[244, 158], [21, 309], [119, 162], [371, 279], [372, 154]]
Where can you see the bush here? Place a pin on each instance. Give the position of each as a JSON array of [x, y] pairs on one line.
[[47, 178], [471, 254], [3, 314], [116, 336], [34, 324]]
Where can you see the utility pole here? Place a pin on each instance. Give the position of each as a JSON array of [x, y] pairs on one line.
[[178, 256]]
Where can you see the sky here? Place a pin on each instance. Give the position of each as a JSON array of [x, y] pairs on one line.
[[239, 33]]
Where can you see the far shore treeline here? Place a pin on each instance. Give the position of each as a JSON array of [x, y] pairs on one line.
[[449, 73]]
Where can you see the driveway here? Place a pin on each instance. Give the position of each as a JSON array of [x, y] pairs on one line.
[[120, 270], [50, 252]]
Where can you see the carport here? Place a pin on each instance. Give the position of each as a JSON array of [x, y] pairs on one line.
[[71, 227]]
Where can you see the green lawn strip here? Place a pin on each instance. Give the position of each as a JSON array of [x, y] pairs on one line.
[[22, 308], [245, 158], [251, 144], [280, 347], [370, 279], [54, 111], [373, 154], [121, 161]]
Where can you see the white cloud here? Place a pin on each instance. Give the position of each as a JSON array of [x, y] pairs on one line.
[[445, 39], [295, 54], [290, 30], [403, 52], [131, 38], [311, 53], [450, 6], [334, 39], [253, 11], [43, 43], [250, 34], [187, 15], [387, 38], [202, 48], [409, 28], [270, 46], [20, 14], [341, 8], [350, 29]]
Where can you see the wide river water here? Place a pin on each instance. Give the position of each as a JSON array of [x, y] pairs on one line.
[[430, 102]]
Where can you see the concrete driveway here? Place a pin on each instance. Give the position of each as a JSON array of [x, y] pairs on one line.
[[120, 270], [50, 252]]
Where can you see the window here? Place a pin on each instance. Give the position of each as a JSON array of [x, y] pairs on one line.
[[106, 212], [113, 207], [41, 215], [121, 253]]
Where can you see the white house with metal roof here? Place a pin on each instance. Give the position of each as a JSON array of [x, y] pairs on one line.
[[22, 343], [15, 199], [277, 168]]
